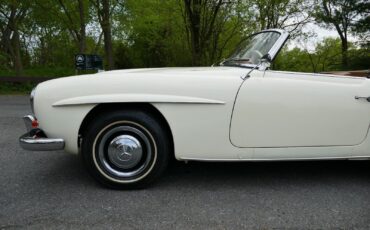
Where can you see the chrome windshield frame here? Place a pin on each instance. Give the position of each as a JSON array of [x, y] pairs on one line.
[[275, 49]]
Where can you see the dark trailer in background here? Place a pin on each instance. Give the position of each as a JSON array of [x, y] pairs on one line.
[[88, 62]]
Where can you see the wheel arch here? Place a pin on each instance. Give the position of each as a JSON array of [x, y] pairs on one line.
[[107, 107]]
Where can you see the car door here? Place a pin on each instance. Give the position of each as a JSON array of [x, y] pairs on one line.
[[281, 109]]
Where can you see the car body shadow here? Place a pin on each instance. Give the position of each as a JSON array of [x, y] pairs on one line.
[[70, 169], [239, 174]]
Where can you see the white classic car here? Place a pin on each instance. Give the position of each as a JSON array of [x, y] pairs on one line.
[[127, 124]]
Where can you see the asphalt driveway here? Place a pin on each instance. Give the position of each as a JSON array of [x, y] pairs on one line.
[[52, 190]]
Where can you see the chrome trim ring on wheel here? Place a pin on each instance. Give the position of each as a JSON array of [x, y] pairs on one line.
[[124, 151]]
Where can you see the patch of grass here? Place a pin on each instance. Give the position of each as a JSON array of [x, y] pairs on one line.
[[16, 88], [41, 72], [25, 88], [51, 72]]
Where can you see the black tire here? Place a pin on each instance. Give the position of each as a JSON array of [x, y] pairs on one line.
[[125, 149]]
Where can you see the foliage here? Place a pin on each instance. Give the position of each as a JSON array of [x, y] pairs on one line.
[[41, 37], [327, 56], [12, 16], [345, 16], [290, 15], [41, 71], [16, 88], [211, 26], [154, 37]]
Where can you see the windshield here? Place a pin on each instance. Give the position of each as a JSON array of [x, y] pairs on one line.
[[253, 49]]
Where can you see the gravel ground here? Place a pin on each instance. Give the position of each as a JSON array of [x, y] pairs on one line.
[[43, 190]]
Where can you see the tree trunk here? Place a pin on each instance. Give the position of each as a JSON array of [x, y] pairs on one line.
[[11, 40], [341, 31], [344, 54], [195, 41], [17, 59], [201, 22], [107, 33], [82, 40], [193, 14], [78, 34], [42, 59]]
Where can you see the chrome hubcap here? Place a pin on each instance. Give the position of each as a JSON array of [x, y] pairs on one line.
[[125, 151]]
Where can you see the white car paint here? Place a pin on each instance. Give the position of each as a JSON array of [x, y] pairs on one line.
[[300, 110], [277, 115]]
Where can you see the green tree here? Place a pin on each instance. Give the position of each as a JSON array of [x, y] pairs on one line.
[[104, 10], [12, 15], [325, 57], [54, 37], [75, 17], [153, 34], [208, 21], [290, 15], [344, 16], [295, 59]]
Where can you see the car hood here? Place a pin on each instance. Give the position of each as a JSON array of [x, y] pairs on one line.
[[200, 84]]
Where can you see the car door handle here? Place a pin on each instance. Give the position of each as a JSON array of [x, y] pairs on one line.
[[366, 98]]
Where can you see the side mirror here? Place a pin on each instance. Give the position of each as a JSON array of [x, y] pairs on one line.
[[265, 62], [266, 58]]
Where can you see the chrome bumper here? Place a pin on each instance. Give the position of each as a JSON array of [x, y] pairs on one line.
[[36, 140]]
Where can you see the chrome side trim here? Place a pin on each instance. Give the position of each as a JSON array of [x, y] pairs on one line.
[[40, 143], [273, 159], [149, 98]]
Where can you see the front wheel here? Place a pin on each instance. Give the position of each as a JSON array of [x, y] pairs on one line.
[[125, 149]]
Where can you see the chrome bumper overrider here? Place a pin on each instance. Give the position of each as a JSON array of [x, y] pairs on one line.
[[36, 140]]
